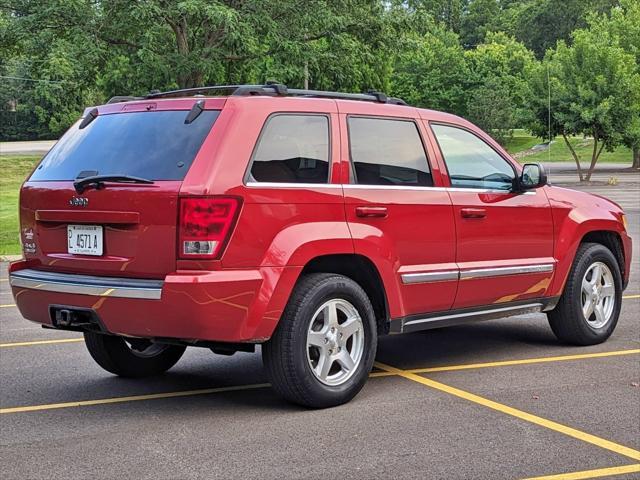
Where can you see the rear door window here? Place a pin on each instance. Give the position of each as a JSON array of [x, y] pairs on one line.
[[388, 152], [292, 149], [156, 145]]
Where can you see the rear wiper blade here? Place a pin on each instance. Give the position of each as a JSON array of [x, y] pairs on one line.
[[97, 180]]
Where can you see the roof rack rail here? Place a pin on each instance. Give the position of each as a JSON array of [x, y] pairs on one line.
[[280, 90], [197, 90], [123, 98]]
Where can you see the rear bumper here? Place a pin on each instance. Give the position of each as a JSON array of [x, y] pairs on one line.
[[86, 284], [223, 306]]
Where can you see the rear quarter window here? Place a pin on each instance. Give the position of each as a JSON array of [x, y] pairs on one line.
[[292, 148], [156, 145]]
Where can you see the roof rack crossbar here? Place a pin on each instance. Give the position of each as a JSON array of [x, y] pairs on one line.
[[277, 89], [197, 90]]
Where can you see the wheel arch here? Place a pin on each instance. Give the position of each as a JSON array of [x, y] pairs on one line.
[[603, 233], [611, 240], [362, 271]]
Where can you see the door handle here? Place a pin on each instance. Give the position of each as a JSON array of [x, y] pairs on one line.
[[473, 213], [369, 212]]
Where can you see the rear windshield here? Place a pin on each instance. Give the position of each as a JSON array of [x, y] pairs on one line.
[[154, 145]]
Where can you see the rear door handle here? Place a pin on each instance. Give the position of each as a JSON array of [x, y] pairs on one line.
[[473, 213], [369, 212]]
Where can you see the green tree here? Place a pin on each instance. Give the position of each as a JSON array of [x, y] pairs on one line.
[[594, 87], [539, 24], [447, 12], [622, 26], [498, 72], [86, 51], [430, 71], [490, 108], [480, 18]]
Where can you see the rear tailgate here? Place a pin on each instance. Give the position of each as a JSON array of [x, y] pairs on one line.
[[120, 229]]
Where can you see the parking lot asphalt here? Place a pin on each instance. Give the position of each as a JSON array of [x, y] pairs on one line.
[[494, 400]]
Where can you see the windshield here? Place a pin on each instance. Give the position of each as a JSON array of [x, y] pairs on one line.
[[155, 145]]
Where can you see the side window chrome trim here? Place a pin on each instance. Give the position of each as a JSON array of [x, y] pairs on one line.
[[378, 187], [436, 189], [291, 185]]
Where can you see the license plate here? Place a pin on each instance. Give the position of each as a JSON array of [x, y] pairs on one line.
[[84, 239]]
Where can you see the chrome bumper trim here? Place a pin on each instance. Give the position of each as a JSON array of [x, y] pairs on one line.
[[87, 284]]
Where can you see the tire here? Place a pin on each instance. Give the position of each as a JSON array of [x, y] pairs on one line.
[[295, 355], [136, 359], [568, 319]]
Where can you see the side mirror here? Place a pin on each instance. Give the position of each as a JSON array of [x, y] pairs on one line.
[[533, 176]]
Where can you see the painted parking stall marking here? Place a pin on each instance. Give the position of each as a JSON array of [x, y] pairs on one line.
[[384, 371], [585, 474], [514, 412]]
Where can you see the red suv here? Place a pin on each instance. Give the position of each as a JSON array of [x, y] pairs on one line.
[[308, 222]]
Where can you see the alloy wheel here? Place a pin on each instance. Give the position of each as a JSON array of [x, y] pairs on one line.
[[335, 342], [598, 295]]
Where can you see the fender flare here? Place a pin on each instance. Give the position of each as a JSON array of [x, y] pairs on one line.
[[291, 250], [569, 239]]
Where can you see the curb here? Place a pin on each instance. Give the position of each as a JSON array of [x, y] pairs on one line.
[[10, 258]]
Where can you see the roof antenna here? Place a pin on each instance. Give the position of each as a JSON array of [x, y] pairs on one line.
[[549, 114]]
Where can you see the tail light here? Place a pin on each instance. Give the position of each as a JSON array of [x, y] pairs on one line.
[[205, 225]]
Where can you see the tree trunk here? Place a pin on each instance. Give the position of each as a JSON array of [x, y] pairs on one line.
[[594, 156], [636, 158], [575, 156], [306, 75], [185, 79]]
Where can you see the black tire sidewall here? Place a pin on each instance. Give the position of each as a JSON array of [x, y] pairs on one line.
[[335, 287], [595, 253], [113, 354]]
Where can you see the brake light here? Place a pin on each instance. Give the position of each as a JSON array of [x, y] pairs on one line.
[[205, 225]]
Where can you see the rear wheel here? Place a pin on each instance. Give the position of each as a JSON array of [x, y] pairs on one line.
[[131, 357], [589, 307], [325, 344]]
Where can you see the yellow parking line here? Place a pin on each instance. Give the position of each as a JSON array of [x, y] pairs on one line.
[[524, 361], [40, 342], [133, 398], [543, 422], [386, 372], [600, 472], [630, 296], [8, 305]]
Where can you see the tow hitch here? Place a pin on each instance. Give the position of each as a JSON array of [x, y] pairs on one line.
[[73, 318]]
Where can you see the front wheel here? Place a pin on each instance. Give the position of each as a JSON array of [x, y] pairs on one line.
[[588, 310], [131, 357], [325, 344]]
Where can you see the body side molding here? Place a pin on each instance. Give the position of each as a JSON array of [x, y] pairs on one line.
[[414, 323]]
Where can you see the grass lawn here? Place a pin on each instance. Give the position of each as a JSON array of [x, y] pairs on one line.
[[14, 170], [521, 140], [560, 153]]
